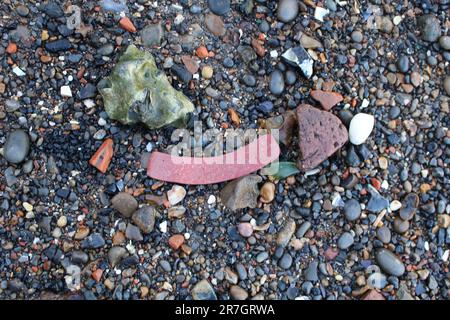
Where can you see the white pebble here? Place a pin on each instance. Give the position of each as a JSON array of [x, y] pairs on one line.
[[320, 13], [187, 235], [364, 104], [163, 226], [361, 127], [65, 91], [211, 199]]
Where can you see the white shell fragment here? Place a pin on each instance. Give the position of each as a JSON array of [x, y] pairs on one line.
[[360, 128]]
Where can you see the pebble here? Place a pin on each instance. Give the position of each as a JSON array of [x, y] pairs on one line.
[[16, 147], [116, 254], [276, 82], [400, 225], [219, 7], [403, 64], [65, 91], [286, 233], [241, 193], [389, 262], [357, 36], [345, 241], [207, 72], [144, 218], [352, 210], [133, 233], [176, 195], [287, 10], [267, 192], [361, 127], [176, 241], [447, 85], [245, 229], [285, 261], [384, 234], [125, 204], [444, 42], [311, 272], [430, 28], [215, 24], [237, 293], [203, 291], [94, 241], [151, 35], [409, 206]]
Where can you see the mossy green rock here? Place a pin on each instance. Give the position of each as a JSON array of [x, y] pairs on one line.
[[136, 91]]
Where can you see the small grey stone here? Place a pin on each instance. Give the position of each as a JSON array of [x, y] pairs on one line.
[[287, 10], [151, 35], [285, 261], [276, 82], [125, 203], [311, 272], [133, 233], [144, 218], [17, 146], [345, 241], [116, 254], [352, 210], [389, 262]]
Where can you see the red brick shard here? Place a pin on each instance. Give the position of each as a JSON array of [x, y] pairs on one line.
[[102, 157], [326, 99], [208, 170], [320, 135]]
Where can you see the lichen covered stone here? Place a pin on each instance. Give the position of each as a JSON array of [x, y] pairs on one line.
[[136, 91]]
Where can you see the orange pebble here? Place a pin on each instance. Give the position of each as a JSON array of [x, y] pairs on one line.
[[11, 48], [97, 275], [126, 24], [375, 183], [202, 52]]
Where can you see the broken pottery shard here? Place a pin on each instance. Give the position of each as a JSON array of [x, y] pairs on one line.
[[102, 157], [207, 170], [320, 135], [136, 91], [241, 193], [298, 57], [326, 99]]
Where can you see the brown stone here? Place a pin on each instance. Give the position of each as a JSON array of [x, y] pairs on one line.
[[215, 25], [258, 47], [330, 253], [97, 275], [190, 63], [326, 99], [234, 116], [176, 241], [321, 134]]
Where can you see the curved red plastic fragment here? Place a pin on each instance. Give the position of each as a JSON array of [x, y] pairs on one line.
[[207, 170]]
